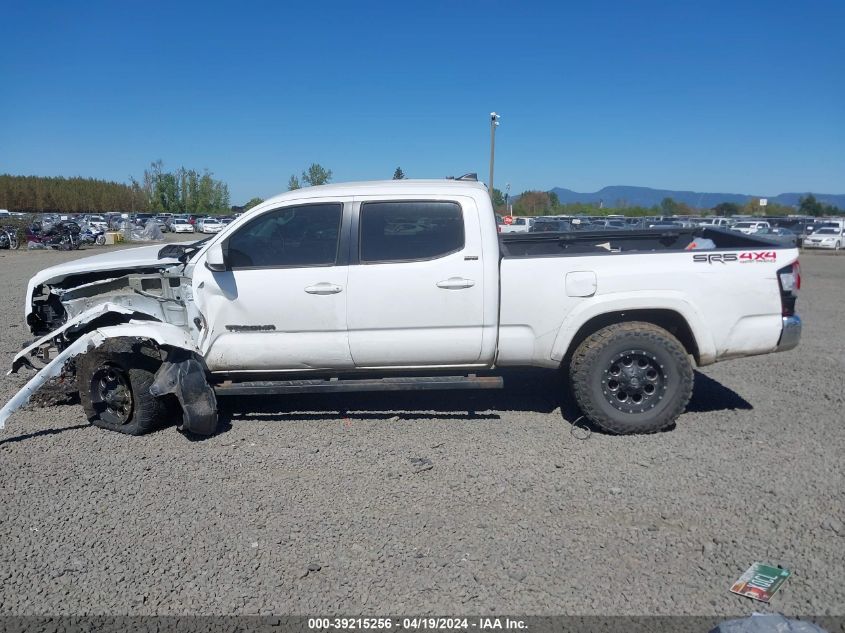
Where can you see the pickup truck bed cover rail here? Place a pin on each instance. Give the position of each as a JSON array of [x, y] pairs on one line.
[[622, 241]]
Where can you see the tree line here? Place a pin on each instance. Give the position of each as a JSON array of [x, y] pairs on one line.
[[190, 191], [547, 203], [178, 191], [183, 190], [34, 194]]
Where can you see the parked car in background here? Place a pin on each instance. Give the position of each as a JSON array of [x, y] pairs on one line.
[[609, 224], [163, 222], [550, 225], [180, 224], [140, 219], [211, 225], [778, 235], [748, 227], [831, 237], [517, 224], [635, 223], [716, 223], [97, 222]]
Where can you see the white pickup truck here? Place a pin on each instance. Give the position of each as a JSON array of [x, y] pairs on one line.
[[402, 285]]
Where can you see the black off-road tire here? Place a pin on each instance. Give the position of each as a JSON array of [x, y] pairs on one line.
[[136, 366], [592, 368]]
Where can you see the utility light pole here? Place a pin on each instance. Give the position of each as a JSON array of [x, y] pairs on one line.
[[494, 123]]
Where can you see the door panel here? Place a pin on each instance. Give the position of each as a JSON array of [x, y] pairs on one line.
[[408, 312], [282, 305]]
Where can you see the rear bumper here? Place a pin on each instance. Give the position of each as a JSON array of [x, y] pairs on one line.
[[790, 335]]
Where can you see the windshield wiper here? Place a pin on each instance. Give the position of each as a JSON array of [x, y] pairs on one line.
[[182, 252]]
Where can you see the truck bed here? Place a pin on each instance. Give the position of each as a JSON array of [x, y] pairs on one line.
[[514, 245]]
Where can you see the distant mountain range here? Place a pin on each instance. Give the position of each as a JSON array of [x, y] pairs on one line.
[[619, 196]]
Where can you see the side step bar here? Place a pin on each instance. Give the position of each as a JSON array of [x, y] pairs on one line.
[[335, 385]]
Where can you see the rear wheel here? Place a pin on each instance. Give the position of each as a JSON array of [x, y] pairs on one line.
[[631, 378], [114, 388]]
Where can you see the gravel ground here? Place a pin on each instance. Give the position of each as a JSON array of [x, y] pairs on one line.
[[464, 503]]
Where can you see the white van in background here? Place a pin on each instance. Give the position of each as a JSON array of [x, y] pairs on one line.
[[716, 223]]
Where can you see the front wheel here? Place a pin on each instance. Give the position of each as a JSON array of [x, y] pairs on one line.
[[114, 388], [631, 378]]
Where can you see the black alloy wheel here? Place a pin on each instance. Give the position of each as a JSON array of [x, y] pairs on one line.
[[634, 381], [111, 394]]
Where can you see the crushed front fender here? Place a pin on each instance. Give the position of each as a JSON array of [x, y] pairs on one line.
[[87, 319], [160, 334]]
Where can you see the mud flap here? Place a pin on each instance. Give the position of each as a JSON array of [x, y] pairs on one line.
[[182, 375]]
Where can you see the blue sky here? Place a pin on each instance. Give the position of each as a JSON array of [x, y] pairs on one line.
[[734, 96]]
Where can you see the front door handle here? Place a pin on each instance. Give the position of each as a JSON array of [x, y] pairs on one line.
[[455, 283], [323, 288]]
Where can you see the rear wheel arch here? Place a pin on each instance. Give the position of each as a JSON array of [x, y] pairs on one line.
[[631, 377], [670, 320]]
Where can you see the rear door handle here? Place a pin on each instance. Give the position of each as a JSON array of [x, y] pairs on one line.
[[323, 288], [455, 283]]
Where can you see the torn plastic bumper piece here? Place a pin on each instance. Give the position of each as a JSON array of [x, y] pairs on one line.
[[184, 376], [51, 370]]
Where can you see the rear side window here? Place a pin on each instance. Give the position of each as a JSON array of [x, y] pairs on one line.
[[290, 237], [409, 231]]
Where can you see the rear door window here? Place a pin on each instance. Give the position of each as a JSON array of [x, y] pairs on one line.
[[404, 231]]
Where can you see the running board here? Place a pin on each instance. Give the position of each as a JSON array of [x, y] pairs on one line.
[[335, 385]]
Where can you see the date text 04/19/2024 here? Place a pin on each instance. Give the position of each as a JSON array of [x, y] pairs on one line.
[[417, 623]]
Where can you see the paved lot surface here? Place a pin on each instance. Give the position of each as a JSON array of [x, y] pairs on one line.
[[451, 504]]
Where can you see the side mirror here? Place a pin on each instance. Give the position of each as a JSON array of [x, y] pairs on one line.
[[215, 258]]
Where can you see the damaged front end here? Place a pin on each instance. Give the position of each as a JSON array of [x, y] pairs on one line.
[[76, 311]]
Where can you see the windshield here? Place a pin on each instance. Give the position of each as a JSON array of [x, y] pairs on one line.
[[744, 225], [827, 231]]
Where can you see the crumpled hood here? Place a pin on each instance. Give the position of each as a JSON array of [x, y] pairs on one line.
[[128, 260]]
